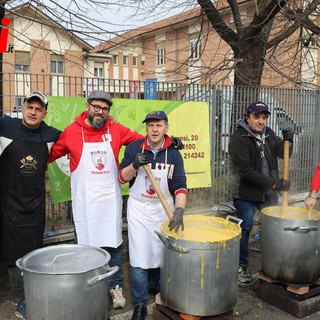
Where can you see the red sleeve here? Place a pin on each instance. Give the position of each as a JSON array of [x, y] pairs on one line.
[[315, 182], [59, 149]]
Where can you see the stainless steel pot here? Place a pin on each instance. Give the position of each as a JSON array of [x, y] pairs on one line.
[[290, 247], [66, 282], [199, 278]]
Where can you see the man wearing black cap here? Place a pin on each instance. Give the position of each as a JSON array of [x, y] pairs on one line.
[[24, 149], [144, 210], [94, 142], [254, 149]]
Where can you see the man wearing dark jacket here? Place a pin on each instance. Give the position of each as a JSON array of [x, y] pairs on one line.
[[24, 149], [254, 149]]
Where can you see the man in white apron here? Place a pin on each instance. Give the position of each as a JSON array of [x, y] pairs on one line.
[[145, 212]]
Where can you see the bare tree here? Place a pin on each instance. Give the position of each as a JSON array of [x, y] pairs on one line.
[[251, 42]]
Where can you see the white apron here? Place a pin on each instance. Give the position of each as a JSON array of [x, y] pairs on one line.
[[96, 196], [145, 214]]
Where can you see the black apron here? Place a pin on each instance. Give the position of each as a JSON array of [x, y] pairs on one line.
[[22, 197]]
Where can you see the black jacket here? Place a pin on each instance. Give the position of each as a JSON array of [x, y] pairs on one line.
[[248, 182]]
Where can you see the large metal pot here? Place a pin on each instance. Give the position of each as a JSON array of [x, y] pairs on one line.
[[290, 245], [200, 278], [66, 282]]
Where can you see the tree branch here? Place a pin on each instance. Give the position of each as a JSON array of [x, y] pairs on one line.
[[236, 14], [301, 19], [260, 20], [225, 32]]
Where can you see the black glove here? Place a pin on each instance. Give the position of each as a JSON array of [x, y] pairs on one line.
[[283, 185], [177, 220], [141, 159], [287, 134], [177, 143]]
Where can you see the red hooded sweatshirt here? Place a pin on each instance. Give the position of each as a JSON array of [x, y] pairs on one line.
[[71, 140]]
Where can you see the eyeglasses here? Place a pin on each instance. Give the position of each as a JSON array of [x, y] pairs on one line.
[[97, 108]]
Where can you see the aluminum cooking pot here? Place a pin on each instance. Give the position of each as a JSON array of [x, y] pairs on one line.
[[66, 282], [200, 278], [290, 245]]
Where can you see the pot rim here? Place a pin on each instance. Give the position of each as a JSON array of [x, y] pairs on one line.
[[64, 259]]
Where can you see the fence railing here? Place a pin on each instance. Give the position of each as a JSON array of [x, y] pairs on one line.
[[290, 108]]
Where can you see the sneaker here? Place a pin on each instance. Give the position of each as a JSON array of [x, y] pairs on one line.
[[244, 275], [21, 310], [118, 300]]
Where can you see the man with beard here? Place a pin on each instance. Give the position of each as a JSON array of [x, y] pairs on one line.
[[93, 142]]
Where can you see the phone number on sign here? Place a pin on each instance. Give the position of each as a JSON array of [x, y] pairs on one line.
[[193, 155]]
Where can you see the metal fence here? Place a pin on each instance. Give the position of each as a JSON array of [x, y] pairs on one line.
[[290, 108]]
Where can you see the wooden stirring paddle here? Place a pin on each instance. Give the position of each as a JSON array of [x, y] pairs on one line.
[[160, 195], [284, 209]]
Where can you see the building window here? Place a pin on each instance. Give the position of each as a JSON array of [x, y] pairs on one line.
[[98, 72], [195, 48], [115, 59], [125, 60], [161, 57], [57, 64], [18, 102], [135, 61], [22, 61], [22, 68]]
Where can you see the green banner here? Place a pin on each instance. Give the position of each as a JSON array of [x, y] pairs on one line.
[[187, 120]]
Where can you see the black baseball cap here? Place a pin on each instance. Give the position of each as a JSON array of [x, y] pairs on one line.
[[257, 108]]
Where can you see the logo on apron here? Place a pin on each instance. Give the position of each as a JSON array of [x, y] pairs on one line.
[[149, 188], [28, 167], [99, 160]]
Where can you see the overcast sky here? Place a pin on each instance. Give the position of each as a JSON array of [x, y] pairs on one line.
[[99, 21]]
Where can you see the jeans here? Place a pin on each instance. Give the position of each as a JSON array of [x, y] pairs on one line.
[[116, 260], [16, 282], [141, 281], [246, 210]]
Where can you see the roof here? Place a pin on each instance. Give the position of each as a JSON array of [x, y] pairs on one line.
[[162, 24], [39, 16], [138, 32]]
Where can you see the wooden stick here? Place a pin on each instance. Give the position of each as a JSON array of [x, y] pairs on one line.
[[160, 195], [284, 209]]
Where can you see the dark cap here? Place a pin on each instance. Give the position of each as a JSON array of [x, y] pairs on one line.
[[100, 95], [157, 115], [37, 95], [257, 107]]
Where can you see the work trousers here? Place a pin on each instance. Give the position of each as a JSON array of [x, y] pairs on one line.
[[141, 281], [16, 282], [245, 211], [115, 260]]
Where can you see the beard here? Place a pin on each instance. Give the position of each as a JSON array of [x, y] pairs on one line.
[[96, 123]]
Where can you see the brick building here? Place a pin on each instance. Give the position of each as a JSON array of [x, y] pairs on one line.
[[185, 48], [41, 55]]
